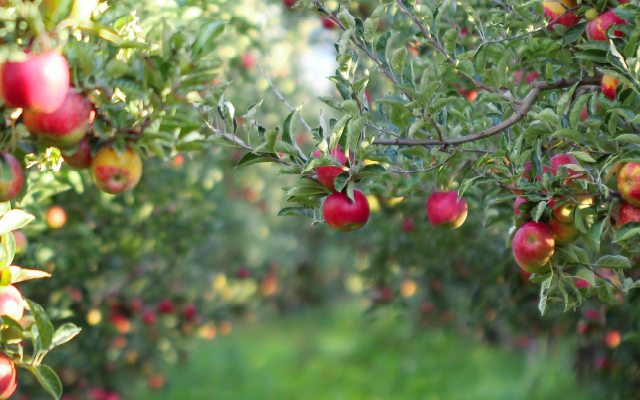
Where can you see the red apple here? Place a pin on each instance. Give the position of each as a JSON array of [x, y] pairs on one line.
[[563, 233], [243, 272], [166, 307], [609, 86], [629, 183], [533, 245], [519, 200], [10, 187], [8, 377], [596, 29], [149, 318], [327, 174], [445, 211], [189, 311], [527, 168], [342, 214], [40, 83], [564, 159], [115, 174], [65, 127], [407, 225], [580, 283], [328, 24], [628, 213], [290, 3], [82, 158], [584, 114], [554, 9], [11, 302]]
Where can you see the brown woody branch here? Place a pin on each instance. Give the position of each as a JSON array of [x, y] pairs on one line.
[[536, 88]]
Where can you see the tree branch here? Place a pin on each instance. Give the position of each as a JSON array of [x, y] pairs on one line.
[[536, 88]]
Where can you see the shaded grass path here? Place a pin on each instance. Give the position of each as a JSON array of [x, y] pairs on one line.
[[338, 355]]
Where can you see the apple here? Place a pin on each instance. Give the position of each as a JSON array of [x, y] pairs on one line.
[[628, 213], [290, 3], [243, 272], [328, 24], [10, 188], [65, 127], [564, 159], [554, 9], [580, 283], [39, 84], [584, 114], [407, 225], [609, 86], [327, 174], [149, 318], [247, 61], [471, 95], [519, 200], [189, 311], [563, 211], [529, 78], [563, 233], [445, 211], [82, 158], [381, 295], [596, 29], [342, 214], [166, 307], [527, 168], [11, 302], [629, 183], [612, 339], [533, 245], [156, 381], [115, 174], [8, 377], [21, 242], [56, 217]]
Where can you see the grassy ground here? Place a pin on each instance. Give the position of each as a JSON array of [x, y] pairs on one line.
[[337, 355]]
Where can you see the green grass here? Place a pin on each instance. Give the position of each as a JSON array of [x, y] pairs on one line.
[[338, 355]]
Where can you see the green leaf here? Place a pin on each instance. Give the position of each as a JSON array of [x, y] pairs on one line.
[[297, 211], [204, 42], [45, 329], [371, 24], [539, 210], [576, 110], [587, 275], [354, 130], [544, 288], [582, 156], [22, 274], [614, 262], [13, 220], [48, 380], [605, 294], [596, 230], [64, 334], [450, 40], [578, 220], [251, 158], [566, 133], [627, 231]]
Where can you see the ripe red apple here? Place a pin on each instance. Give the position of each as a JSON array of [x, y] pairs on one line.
[[596, 29], [629, 183], [612, 339], [327, 174], [563, 233], [609, 86], [342, 214], [584, 114], [564, 159], [40, 83], [56, 217], [65, 127], [471, 95], [82, 158], [527, 168], [149, 318], [407, 225], [10, 188], [115, 174], [328, 24], [519, 200], [529, 78], [243, 272], [189, 311], [533, 245], [247, 61], [11, 302], [290, 3], [8, 377], [445, 211], [580, 283], [554, 9], [628, 213]]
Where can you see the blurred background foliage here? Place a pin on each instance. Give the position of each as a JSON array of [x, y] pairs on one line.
[[197, 248]]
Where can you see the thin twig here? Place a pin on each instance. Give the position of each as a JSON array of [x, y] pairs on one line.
[[536, 88], [609, 281], [284, 100]]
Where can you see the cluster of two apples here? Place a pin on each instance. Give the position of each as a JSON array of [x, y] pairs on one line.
[[534, 242], [56, 114]]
